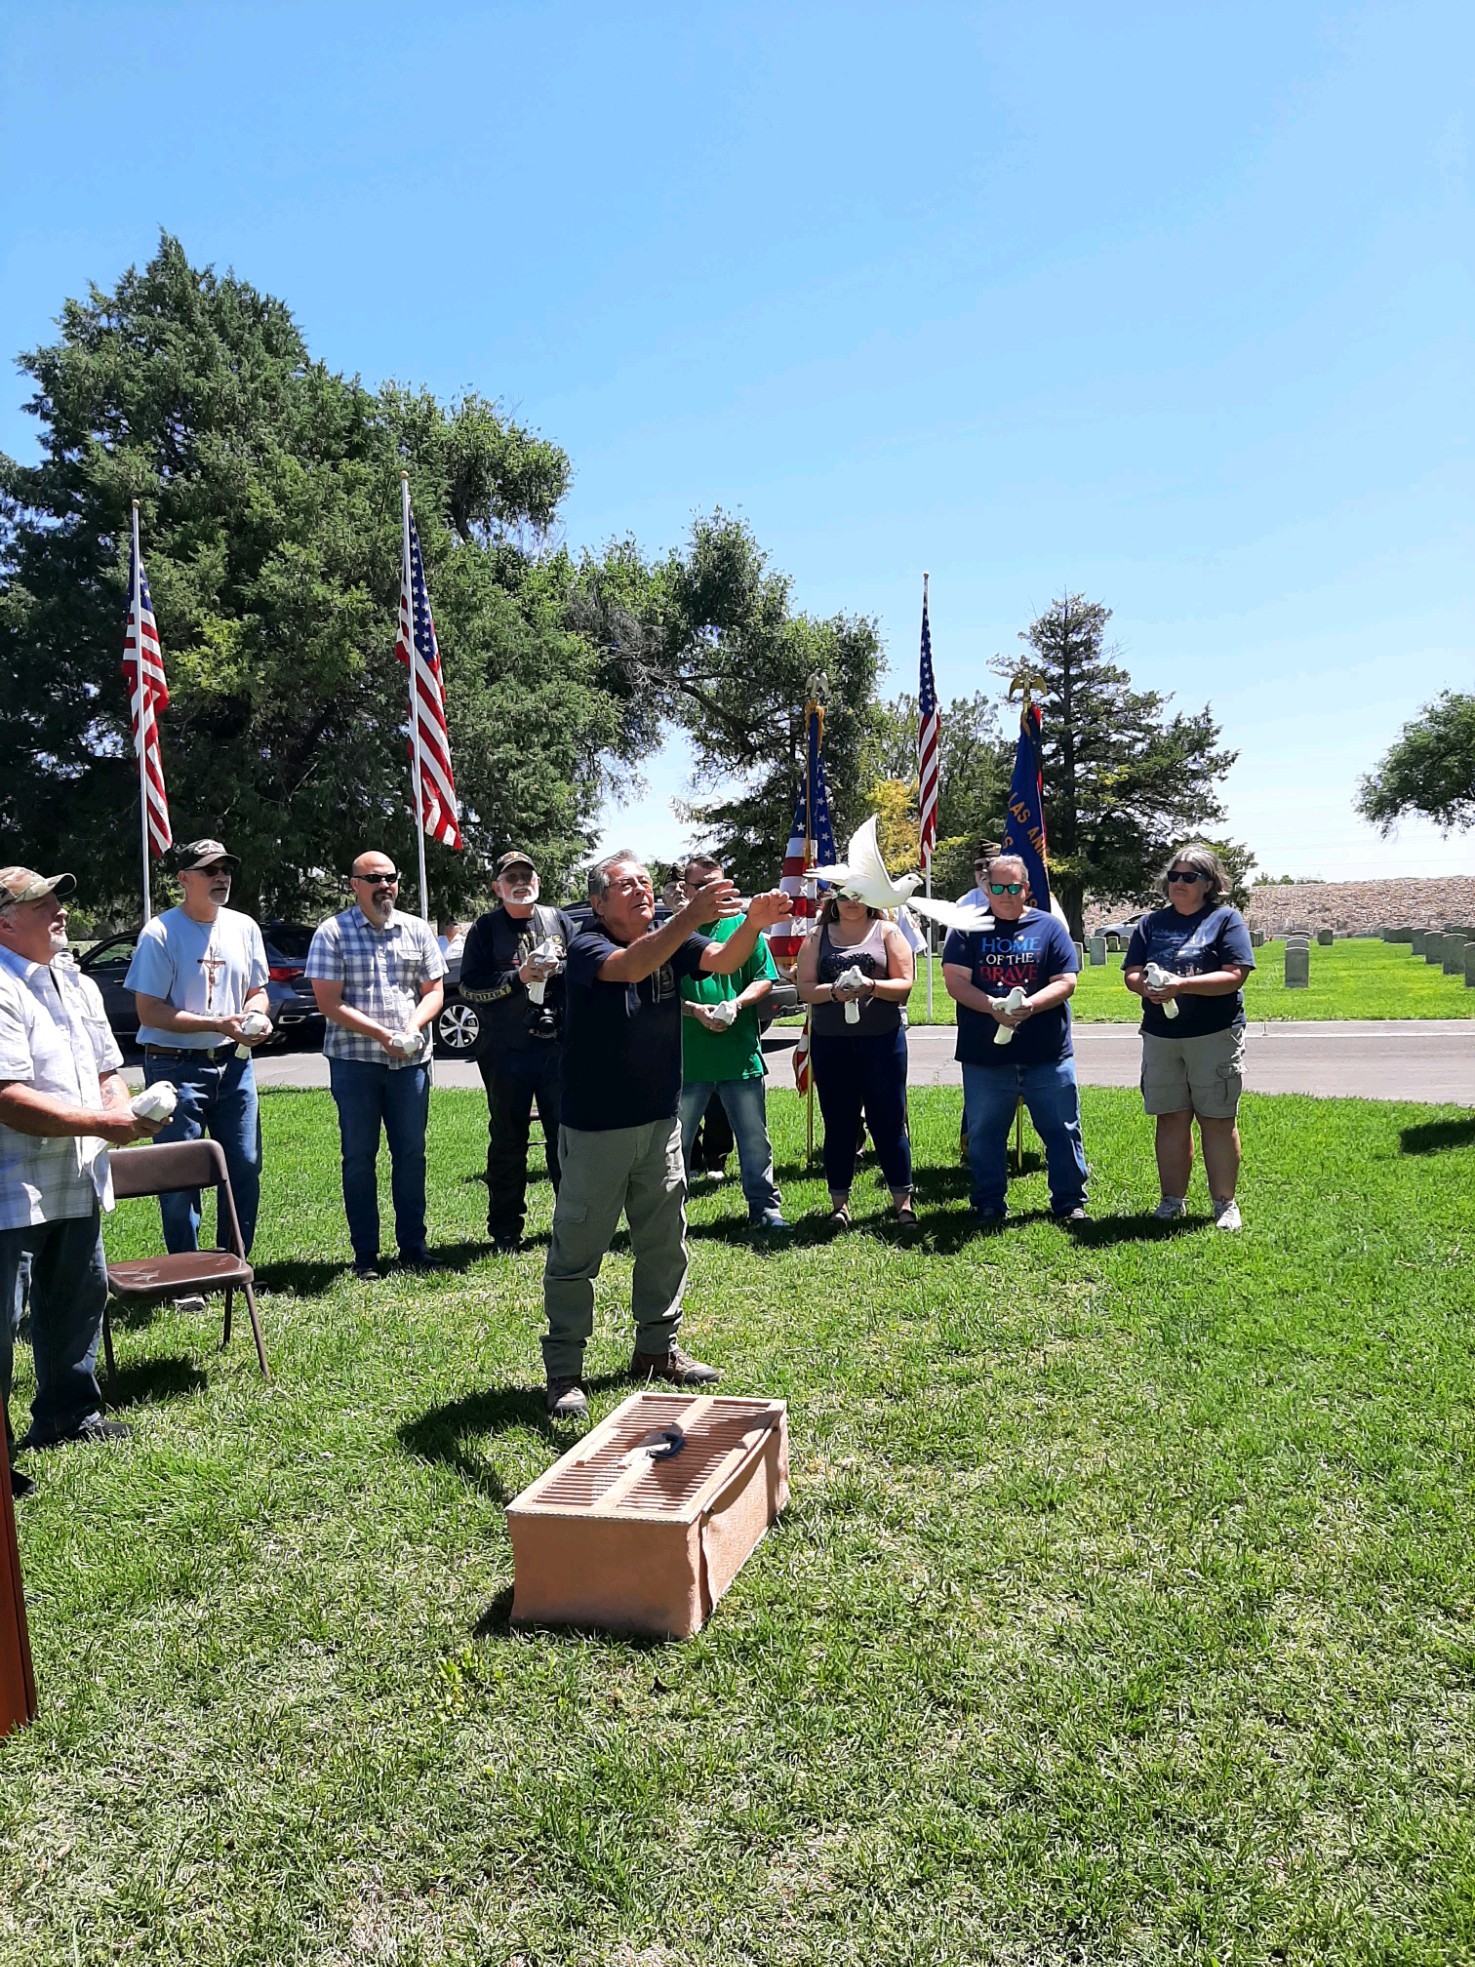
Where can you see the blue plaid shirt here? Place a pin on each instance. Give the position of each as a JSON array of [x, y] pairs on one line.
[[382, 972]]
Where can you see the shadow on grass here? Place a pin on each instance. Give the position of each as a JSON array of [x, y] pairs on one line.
[[1101, 1232], [146, 1382], [496, 1623], [454, 1433], [304, 1279], [1437, 1136]]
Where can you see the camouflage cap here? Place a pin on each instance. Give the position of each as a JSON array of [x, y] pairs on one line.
[[23, 884], [516, 858]]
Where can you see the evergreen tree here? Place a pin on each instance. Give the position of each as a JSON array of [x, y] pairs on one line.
[[1124, 780]]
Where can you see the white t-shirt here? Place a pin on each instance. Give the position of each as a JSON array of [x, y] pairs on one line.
[[210, 968]]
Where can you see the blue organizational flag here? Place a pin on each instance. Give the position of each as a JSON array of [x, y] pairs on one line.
[[1024, 823]]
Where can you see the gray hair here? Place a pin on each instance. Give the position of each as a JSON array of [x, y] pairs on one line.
[[1205, 861], [1014, 860], [600, 872]]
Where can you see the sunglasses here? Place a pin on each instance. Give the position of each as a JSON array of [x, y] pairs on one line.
[[1006, 887], [377, 880], [219, 867], [1186, 874]]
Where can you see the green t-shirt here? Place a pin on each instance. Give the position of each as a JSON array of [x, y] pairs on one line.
[[710, 1056]]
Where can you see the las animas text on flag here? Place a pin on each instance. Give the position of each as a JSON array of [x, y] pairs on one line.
[[143, 671], [430, 744], [1024, 823], [927, 744]]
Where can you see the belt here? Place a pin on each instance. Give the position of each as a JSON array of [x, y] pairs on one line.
[[183, 1051]]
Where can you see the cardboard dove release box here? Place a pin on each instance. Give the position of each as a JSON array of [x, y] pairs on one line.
[[644, 1523]]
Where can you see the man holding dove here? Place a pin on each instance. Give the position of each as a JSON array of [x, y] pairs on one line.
[[1012, 985], [198, 978], [620, 1138], [512, 971], [376, 975], [63, 1103]]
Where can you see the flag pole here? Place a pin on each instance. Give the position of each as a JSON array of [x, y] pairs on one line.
[[407, 590], [925, 578], [135, 609], [1019, 1104], [810, 709]]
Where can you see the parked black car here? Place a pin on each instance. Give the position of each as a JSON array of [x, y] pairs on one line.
[[293, 1006]]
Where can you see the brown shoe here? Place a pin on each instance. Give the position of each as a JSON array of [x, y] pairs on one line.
[[567, 1400], [676, 1367]]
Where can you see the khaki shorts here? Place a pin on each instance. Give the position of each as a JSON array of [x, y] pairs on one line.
[[1203, 1075]]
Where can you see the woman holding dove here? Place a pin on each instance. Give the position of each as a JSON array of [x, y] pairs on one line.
[[1188, 962], [857, 973]]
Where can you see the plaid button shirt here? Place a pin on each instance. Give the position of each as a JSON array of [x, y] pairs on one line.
[[382, 971], [54, 1037]]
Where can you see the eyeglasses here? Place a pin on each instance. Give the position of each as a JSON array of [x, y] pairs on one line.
[[377, 880], [1006, 887], [1186, 874], [219, 867]]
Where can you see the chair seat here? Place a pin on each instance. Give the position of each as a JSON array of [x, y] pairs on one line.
[[190, 1270]]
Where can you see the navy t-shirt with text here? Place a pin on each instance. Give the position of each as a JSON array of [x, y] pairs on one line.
[[1192, 946], [1026, 953], [622, 1042]]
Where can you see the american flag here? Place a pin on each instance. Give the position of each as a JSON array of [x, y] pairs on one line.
[[439, 813], [143, 672], [805, 850], [927, 743]]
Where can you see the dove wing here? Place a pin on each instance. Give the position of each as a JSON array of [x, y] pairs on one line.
[[867, 869], [837, 875], [967, 916]]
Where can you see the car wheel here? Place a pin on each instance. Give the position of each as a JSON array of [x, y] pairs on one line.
[[458, 1028]]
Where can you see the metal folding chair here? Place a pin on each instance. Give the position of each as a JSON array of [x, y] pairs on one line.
[[139, 1171]]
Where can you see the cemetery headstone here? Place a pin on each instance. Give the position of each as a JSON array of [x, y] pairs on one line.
[[1324, 937], [1416, 941], [1454, 955], [1470, 966], [1434, 947], [1298, 966], [1097, 949]]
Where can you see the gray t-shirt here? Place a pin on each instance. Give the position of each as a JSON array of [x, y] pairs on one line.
[[210, 968]]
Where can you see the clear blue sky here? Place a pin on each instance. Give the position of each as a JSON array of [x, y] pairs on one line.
[[1169, 304]]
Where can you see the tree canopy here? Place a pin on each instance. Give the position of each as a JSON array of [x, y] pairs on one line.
[[707, 638], [1428, 771], [269, 506], [1124, 780]]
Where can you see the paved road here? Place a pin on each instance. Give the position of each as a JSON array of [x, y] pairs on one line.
[[1429, 1060]]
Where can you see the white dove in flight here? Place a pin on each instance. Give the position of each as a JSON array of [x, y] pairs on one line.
[[863, 875]]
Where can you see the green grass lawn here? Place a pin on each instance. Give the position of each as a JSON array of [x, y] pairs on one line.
[[1348, 980], [1122, 1612]]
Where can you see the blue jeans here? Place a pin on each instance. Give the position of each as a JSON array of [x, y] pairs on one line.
[[855, 1076], [745, 1104], [369, 1096], [68, 1290], [217, 1096], [1053, 1103]]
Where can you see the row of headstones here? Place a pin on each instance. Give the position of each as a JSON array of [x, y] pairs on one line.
[[1452, 948], [1096, 949]]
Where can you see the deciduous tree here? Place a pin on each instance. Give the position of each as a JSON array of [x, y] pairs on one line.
[[1428, 770]]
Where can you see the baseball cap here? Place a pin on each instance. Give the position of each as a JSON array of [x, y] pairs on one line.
[[23, 884], [517, 858], [203, 853]]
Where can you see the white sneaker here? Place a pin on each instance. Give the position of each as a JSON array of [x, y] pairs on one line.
[[1226, 1215], [1169, 1209]]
